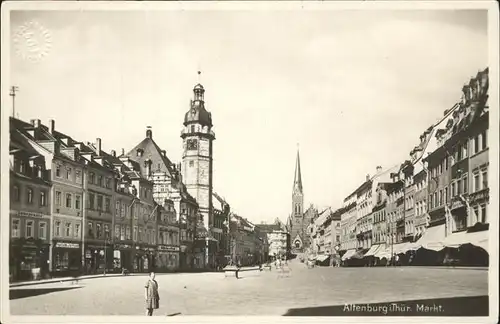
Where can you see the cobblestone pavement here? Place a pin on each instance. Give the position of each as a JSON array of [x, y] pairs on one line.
[[254, 294]]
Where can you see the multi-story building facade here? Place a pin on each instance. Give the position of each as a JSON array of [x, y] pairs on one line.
[[66, 169], [197, 169], [348, 223], [168, 243], [462, 142], [122, 209], [29, 208], [246, 244], [277, 238], [221, 211], [99, 186]]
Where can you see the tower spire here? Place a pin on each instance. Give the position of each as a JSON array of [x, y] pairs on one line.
[[297, 182]]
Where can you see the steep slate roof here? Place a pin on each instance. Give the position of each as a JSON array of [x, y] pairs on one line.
[[150, 151], [269, 227], [297, 180]]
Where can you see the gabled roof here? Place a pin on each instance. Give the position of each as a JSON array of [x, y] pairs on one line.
[[151, 151]]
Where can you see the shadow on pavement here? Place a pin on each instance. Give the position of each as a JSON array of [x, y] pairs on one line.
[[28, 292], [455, 306], [174, 314]]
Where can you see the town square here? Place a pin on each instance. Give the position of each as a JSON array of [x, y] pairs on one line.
[[250, 162]]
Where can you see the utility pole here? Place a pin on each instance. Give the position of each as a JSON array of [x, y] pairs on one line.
[[13, 90]]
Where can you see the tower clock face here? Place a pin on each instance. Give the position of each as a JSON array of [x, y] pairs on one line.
[[192, 144]]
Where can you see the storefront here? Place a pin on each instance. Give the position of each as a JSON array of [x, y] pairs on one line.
[[144, 258], [26, 257], [98, 257], [167, 258], [66, 258], [122, 257]]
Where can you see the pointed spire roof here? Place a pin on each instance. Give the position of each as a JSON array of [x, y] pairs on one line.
[[297, 181]]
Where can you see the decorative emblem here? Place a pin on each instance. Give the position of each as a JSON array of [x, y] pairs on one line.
[[32, 41]]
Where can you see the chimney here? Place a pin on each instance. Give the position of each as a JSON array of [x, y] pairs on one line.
[[149, 132], [35, 123], [123, 151], [164, 153], [98, 146], [367, 177], [113, 153], [52, 126], [379, 169]]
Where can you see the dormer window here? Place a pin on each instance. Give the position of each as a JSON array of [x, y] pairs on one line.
[[192, 128], [140, 152]]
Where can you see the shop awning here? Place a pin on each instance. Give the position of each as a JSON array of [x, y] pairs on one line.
[[348, 254], [322, 257], [373, 249], [433, 238], [402, 248], [480, 239], [358, 255], [383, 252]]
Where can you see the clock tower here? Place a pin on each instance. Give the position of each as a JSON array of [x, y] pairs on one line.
[[197, 161]]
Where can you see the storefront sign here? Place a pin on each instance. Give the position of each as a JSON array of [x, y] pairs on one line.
[[122, 246], [31, 214], [67, 245], [168, 248]]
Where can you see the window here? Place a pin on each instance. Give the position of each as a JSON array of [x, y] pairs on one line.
[[435, 198], [16, 224], [446, 163], [107, 205], [57, 229], [77, 202], [475, 215], [91, 200], [440, 168], [117, 231], [191, 163], [485, 178], [22, 166], [440, 197], [140, 234], [453, 190], [122, 232], [58, 171], [68, 200], [106, 232], [108, 183], [77, 230], [30, 196], [476, 182], [484, 142], [483, 214], [192, 128], [128, 233], [15, 193], [99, 202], [78, 176], [29, 228], [466, 187], [67, 229], [122, 211], [100, 181], [476, 144], [98, 230], [91, 178], [58, 198], [446, 198], [42, 230], [43, 198], [117, 208], [464, 150], [135, 233], [68, 173], [90, 230]]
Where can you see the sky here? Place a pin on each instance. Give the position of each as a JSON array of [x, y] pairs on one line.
[[355, 89]]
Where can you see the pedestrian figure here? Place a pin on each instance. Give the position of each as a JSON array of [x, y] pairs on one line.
[[151, 295]]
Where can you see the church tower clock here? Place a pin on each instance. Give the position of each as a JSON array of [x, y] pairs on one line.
[[197, 161]]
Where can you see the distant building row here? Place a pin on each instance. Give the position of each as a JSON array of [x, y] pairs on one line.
[[438, 198]]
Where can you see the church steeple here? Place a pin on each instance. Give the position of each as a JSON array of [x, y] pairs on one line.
[[297, 181]]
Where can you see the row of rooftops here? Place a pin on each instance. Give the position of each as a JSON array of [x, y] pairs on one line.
[[476, 88], [90, 154]]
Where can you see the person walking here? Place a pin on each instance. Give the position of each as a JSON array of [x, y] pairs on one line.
[[151, 295]]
